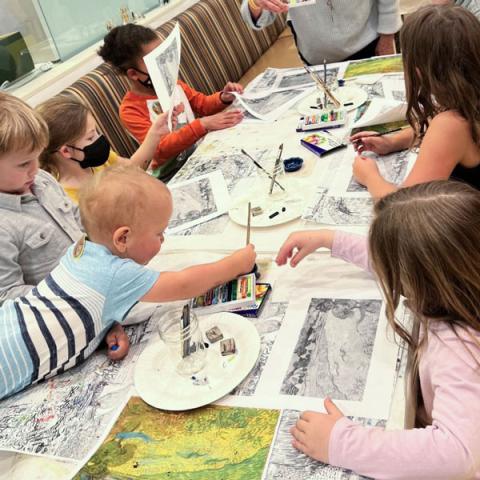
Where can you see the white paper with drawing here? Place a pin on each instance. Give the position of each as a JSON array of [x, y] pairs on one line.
[[394, 168], [285, 462], [382, 111], [163, 64], [198, 200], [329, 346], [270, 107], [63, 416], [278, 80]]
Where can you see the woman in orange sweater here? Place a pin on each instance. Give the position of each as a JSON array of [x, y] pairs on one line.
[[124, 47]]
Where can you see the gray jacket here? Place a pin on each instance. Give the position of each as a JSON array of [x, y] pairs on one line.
[[35, 231]]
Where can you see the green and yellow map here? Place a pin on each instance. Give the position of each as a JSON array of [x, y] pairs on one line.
[[211, 443], [374, 65]]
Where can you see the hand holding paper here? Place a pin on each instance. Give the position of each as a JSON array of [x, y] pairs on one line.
[[226, 95]]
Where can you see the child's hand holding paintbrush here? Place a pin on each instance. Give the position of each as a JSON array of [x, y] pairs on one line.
[[382, 143], [249, 220]]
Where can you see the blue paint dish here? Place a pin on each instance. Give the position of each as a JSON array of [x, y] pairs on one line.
[[292, 164]]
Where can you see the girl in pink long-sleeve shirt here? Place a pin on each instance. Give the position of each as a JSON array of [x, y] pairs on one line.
[[424, 245]]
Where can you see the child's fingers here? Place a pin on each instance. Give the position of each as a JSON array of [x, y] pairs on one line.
[[299, 446], [298, 435], [121, 350], [331, 408], [302, 425], [299, 256]]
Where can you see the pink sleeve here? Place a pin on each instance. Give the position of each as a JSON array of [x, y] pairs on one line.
[[449, 448], [352, 248]]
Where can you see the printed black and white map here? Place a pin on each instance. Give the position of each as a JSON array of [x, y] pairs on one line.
[[163, 64], [299, 78], [333, 351], [235, 166], [272, 105], [268, 325], [65, 415], [338, 209], [197, 200], [393, 168], [287, 463]]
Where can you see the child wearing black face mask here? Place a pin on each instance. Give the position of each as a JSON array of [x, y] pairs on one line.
[[124, 48], [76, 150]]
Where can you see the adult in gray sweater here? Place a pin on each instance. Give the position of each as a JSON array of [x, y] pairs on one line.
[[472, 5], [333, 30]]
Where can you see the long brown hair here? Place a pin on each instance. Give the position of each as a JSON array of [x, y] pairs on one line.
[[66, 118], [441, 57], [425, 246]]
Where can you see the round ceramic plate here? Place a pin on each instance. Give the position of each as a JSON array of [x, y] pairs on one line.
[[159, 385], [345, 95], [278, 208]]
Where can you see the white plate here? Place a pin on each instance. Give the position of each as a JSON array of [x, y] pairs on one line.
[[159, 385], [347, 94], [289, 204]]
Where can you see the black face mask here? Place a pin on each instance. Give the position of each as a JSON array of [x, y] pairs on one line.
[[95, 154], [147, 83]]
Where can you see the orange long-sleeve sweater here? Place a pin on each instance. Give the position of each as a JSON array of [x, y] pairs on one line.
[[135, 117]]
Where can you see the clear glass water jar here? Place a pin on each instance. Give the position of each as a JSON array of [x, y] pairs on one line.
[[185, 345]]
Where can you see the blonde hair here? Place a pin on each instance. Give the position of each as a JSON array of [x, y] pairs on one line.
[[66, 118], [424, 246], [117, 196], [21, 128]]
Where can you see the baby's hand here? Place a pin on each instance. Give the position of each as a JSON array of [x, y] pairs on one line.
[[311, 434], [244, 259], [300, 244], [118, 339]]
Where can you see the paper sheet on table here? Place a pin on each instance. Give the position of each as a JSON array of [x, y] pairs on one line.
[[62, 416], [163, 64], [394, 88], [279, 80], [198, 200], [382, 111], [271, 106], [319, 352]]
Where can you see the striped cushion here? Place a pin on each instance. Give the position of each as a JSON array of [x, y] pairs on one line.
[[217, 47]]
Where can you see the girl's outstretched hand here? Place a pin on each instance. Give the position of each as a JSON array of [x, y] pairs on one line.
[[311, 434], [300, 244]]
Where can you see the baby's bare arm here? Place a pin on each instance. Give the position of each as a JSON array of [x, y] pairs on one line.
[[196, 280]]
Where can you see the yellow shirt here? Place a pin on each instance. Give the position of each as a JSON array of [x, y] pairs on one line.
[[72, 192]]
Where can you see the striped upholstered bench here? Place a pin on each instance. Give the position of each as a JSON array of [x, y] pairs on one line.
[[217, 47]]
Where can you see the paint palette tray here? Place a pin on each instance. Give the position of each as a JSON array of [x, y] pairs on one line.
[[269, 210], [159, 384]]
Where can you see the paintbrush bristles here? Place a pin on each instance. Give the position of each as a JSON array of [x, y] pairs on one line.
[[323, 86], [276, 167]]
